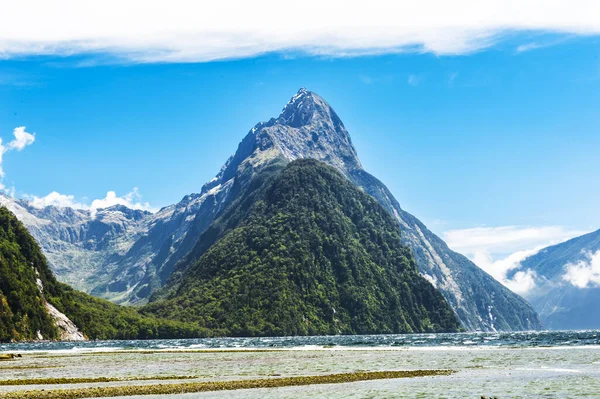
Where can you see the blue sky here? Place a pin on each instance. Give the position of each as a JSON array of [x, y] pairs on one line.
[[495, 139], [492, 138]]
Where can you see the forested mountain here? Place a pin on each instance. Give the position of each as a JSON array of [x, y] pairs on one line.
[[309, 128], [34, 305], [127, 258], [313, 255], [567, 276]]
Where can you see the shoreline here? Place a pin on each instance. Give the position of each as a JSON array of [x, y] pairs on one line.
[[309, 348], [286, 373]]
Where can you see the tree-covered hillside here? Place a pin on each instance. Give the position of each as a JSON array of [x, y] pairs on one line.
[[316, 255], [27, 284], [22, 310]]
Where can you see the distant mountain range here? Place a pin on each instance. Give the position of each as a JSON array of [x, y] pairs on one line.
[[567, 275], [131, 256]]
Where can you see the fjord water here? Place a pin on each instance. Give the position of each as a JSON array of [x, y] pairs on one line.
[[560, 364], [523, 339]]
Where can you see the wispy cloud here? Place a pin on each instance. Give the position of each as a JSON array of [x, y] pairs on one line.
[[366, 79], [192, 31], [499, 250], [372, 79], [528, 47], [415, 80], [452, 78], [535, 45]]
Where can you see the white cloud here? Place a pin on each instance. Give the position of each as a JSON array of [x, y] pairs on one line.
[[499, 250], [22, 139], [189, 31], [522, 281], [540, 44], [2, 152], [131, 200], [585, 273], [56, 199], [528, 47]]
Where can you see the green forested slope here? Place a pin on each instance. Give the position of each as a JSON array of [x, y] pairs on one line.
[[315, 256], [22, 309]]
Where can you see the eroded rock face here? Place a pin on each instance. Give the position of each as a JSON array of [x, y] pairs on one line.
[[67, 330]]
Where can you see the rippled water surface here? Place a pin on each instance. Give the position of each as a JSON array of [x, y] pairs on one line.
[[530, 339]]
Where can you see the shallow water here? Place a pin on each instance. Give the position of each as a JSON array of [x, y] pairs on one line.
[[507, 365]]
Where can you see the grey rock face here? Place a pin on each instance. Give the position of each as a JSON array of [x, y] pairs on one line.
[[126, 257], [309, 128], [83, 249]]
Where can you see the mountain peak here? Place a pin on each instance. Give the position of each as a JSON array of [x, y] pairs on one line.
[[301, 94], [309, 128], [303, 108], [306, 128]]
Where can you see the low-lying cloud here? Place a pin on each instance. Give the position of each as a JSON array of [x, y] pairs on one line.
[[56, 199], [500, 250], [585, 273], [193, 31]]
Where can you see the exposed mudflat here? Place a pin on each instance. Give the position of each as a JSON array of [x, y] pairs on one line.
[[505, 372]]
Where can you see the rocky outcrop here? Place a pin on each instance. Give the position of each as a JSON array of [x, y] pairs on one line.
[[67, 330]]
